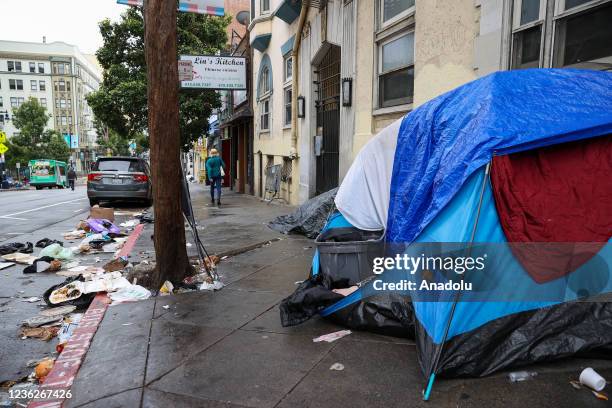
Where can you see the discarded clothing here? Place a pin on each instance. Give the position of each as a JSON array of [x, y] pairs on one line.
[[12, 247], [45, 242]]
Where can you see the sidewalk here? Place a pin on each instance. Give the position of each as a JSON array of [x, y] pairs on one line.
[[227, 348]]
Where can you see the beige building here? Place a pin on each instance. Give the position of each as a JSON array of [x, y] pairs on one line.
[[365, 63], [60, 77]]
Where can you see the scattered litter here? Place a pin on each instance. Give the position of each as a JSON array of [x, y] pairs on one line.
[[12, 247], [166, 288], [38, 321], [337, 367], [332, 336], [116, 264], [131, 293], [576, 384], [32, 299], [215, 285], [107, 282], [188, 244], [72, 264], [45, 242], [98, 259], [298, 282], [4, 265], [43, 333], [592, 379], [600, 395], [56, 251], [100, 212], [60, 310], [76, 234], [224, 258], [44, 264], [129, 224], [518, 376], [43, 369], [18, 257], [127, 324], [166, 307], [68, 325], [99, 225], [345, 291]]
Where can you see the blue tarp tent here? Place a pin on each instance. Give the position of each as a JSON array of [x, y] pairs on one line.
[[425, 179]]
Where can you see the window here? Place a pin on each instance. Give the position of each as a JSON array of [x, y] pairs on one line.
[[1, 102], [64, 120], [264, 81], [288, 69], [16, 84], [62, 103], [41, 68], [32, 67], [581, 35], [20, 100], [527, 33], [69, 104], [59, 69], [393, 10], [68, 85], [33, 85], [287, 120], [396, 70], [265, 6], [70, 120], [264, 110], [14, 103], [13, 66], [584, 40], [60, 86], [42, 85], [43, 102]]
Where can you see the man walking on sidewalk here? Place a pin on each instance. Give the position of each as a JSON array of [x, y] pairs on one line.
[[71, 177], [215, 172]]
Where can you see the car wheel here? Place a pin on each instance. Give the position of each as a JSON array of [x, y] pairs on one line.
[[92, 202], [38, 187], [148, 202]]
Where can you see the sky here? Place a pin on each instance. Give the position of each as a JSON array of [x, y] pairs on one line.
[[71, 21]]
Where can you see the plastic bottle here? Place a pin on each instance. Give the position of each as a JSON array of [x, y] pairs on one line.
[[518, 376]]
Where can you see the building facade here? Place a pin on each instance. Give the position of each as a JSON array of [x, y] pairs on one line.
[[60, 77], [363, 64]]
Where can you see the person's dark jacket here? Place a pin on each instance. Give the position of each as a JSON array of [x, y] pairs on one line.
[[72, 174]]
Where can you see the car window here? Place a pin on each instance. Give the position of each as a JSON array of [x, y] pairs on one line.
[[119, 165]]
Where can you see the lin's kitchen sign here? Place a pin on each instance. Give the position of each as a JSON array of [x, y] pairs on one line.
[[213, 72]]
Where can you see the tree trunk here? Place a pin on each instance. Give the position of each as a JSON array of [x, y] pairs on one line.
[[162, 73]]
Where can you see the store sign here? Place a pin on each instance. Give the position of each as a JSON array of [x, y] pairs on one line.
[[185, 70], [215, 72], [210, 7]]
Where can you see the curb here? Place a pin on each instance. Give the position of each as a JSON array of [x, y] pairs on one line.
[[66, 366]]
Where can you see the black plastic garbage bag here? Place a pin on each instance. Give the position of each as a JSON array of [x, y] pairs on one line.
[[310, 297], [34, 267], [82, 302], [45, 242], [13, 247], [309, 218]]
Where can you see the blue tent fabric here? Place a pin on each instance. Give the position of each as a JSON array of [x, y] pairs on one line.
[[441, 143]]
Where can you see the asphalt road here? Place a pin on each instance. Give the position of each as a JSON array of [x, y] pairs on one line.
[[22, 212]]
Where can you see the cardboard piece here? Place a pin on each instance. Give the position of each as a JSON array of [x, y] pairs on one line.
[[104, 213]]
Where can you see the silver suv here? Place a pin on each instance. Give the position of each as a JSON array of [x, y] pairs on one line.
[[119, 178]]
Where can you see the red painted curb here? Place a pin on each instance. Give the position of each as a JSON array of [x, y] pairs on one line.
[[69, 361]]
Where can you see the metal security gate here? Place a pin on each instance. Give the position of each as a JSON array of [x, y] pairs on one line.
[[328, 119]]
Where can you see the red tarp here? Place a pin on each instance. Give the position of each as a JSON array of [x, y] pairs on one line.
[[558, 194]]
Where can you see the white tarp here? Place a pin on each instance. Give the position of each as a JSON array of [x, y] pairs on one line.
[[363, 196]]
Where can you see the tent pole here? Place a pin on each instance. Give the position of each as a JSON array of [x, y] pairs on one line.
[[432, 376]]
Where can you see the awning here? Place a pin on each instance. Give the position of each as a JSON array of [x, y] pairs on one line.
[[289, 10], [261, 42], [287, 47]]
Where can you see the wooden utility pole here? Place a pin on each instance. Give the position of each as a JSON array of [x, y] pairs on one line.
[[162, 74]]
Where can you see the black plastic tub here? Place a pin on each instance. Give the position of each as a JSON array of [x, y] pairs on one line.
[[346, 255]]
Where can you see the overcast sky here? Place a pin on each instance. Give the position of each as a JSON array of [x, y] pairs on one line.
[[71, 21]]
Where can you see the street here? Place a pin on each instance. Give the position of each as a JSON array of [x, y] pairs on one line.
[[23, 212]]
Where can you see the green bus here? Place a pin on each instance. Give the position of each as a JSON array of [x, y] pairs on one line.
[[48, 173]]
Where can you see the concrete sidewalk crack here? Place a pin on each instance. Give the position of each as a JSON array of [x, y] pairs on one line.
[[144, 375], [306, 375]]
